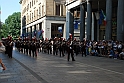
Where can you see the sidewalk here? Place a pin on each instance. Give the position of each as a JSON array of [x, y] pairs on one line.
[[54, 69], [15, 72]]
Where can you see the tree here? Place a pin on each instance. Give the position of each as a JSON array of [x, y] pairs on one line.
[[3, 31], [13, 24]]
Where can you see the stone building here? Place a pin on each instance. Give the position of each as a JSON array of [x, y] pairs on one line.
[[42, 18], [89, 17]]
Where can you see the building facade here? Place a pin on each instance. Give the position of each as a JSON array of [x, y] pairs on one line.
[[42, 18], [89, 16]]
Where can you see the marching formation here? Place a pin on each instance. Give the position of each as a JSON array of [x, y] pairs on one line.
[[57, 46], [61, 47], [8, 43]]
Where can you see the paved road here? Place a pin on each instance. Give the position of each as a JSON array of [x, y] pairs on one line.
[[54, 69]]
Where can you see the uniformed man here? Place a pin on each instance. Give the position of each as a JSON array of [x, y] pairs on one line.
[[49, 47], [34, 47], [70, 51], [55, 52], [10, 47]]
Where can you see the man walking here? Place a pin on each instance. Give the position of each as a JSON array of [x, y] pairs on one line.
[[70, 51]]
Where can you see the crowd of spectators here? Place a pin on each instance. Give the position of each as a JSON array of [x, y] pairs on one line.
[[110, 49]]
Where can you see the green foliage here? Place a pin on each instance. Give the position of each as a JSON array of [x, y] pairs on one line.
[[12, 25], [4, 31]]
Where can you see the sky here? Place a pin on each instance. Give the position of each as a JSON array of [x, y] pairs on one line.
[[8, 7]]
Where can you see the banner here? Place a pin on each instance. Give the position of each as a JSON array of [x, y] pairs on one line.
[[102, 17], [76, 24]]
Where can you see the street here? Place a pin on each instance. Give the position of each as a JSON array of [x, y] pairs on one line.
[[54, 69]]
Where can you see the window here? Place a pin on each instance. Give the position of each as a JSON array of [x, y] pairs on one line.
[[34, 13], [28, 18], [39, 10], [61, 10], [34, 2], [58, 9], [43, 10], [30, 4], [32, 16], [27, 7]]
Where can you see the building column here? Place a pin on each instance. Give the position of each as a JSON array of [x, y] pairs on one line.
[[64, 31], [37, 31], [89, 20], [97, 24], [24, 32], [82, 22], [69, 23], [92, 29], [108, 30], [31, 32], [27, 32], [36, 26], [120, 21]]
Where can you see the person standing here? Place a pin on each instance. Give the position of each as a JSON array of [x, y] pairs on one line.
[[61, 49], [34, 47], [49, 48], [55, 48], [70, 51], [10, 47], [83, 48], [30, 47]]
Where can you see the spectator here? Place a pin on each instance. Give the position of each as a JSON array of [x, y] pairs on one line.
[[116, 55], [93, 52], [110, 53], [119, 47], [121, 55]]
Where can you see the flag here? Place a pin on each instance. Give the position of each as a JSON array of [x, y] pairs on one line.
[[35, 32], [76, 24], [105, 21], [39, 33], [102, 17]]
